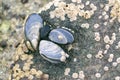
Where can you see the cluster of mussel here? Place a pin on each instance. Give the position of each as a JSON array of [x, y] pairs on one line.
[[36, 33]]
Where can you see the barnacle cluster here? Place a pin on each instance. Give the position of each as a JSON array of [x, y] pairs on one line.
[[72, 10], [24, 70], [115, 12], [107, 40]]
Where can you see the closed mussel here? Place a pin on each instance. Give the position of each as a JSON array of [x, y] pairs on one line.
[[33, 25], [52, 52], [44, 31], [61, 36]]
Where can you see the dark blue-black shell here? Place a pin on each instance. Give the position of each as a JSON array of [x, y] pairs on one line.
[[61, 36], [44, 31], [32, 27]]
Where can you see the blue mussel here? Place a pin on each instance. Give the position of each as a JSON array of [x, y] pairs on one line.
[[35, 33], [61, 36], [32, 26]]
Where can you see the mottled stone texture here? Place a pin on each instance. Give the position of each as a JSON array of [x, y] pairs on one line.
[[84, 44]]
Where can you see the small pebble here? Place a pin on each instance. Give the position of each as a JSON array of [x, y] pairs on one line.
[[75, 59]]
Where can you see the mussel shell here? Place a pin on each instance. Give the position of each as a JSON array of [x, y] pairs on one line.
[[32, 27], [50, 51], [65, 36], [44, 31]]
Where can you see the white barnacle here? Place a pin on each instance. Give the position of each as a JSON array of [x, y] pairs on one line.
[[104, 13], [63, 53], [99, 55], [89, 56], [62, 59], [52, 14], [75, 75], [107, 46], [74, 0], [97, 34], [85, 25], [87, 3], [61, 4], [106, 39], [106, 17], [96, 26], [81, 6], [94, 8], [114, 64], [81, 75], [67, 71], [119, 44], [118, 60], [100, 17], [110, 59], [78, 1], [97, 75], [62, 18], [105, 51], [97, 38], [105, 23], [117, 78], [106, 68], [106, 8], [111, 56], [87, 14]]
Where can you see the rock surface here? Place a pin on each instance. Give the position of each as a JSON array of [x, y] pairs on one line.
[[91, 22], [95, 53]]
